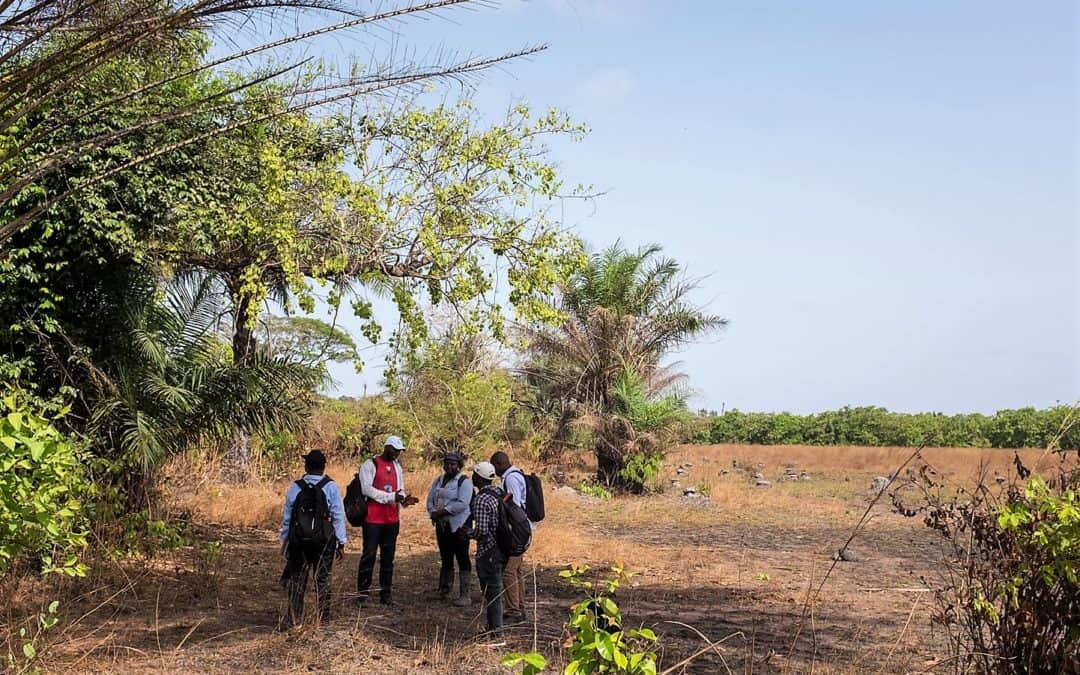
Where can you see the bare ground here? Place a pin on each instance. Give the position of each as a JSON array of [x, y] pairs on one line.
[[738, 567]]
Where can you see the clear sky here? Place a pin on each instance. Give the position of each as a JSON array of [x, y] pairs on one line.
[[881, 197]]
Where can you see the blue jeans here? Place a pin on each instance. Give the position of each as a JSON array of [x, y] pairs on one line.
[[489, 570]]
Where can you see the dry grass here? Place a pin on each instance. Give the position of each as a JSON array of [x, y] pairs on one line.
[[961, 464], [740, 561]]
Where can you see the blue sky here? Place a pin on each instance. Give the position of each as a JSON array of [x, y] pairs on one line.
[[881, 197]]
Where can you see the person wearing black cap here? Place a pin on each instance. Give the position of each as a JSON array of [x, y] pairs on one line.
[[312, 535], [448, 505]]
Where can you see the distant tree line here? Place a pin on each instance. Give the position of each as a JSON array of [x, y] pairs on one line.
[[874, 426]]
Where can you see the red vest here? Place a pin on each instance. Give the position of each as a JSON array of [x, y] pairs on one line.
[[385, 481]]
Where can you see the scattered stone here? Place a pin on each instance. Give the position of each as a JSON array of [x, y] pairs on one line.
[[758, 476], [690, 492], [879, 484], [805, 476], [845, 555], [681, 471], [762, 483], [687, 465], [723, 472]]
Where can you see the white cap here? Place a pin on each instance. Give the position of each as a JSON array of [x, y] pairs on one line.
[[485, 470], [395, 443]]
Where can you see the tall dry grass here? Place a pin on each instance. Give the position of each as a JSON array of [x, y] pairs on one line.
[[956, 463], [839, 474]]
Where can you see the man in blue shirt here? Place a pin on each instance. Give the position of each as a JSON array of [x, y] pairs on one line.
[[513, 482], [312, 535]]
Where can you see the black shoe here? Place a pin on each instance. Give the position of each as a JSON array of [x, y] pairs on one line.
[[385, 600], [514, 619], [360, 600]]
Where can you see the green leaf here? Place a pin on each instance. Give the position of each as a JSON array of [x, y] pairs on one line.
[[609, 607], [28, 650], [605, 647], [620, 659], [535, 660]]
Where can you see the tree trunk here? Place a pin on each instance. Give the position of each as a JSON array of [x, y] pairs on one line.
[[243, 341], [238, 457], [608, 465]]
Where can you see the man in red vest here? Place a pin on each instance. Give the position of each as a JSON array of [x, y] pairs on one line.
[[383, 485]]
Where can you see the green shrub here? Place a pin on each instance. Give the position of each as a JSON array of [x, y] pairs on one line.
[[599, 641], [1011, 594], [41, 487], [641, 472], [594, 490], [871, 426]]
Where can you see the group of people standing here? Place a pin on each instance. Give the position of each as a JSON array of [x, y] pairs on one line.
[[462, 509]]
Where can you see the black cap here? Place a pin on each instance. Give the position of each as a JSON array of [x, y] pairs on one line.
[[453, 457], [315, 457]]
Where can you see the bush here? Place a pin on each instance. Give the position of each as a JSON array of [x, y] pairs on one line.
[[469, 415], [598, 641], [594, 490], [641, 472], [1010, 602], [357, 427], [41, 482], [871, 426]]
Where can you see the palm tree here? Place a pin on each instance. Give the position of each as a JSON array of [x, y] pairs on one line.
[[602, 367], [176, 383]]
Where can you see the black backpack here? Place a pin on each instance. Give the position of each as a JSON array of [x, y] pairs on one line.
[[355, 503], [311, 524], [534, 496], [514, 533]]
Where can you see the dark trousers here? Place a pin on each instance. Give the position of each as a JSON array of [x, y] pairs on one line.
[[451, 546], [320, 560], [381, 539], [489, 570]]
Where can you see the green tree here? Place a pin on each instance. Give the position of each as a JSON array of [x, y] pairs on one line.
[[624, 313], [307, 340], [175, 382], [51, 48], [458, 395]]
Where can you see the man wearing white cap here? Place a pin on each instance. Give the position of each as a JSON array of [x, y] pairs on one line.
[[383, 484], [489, 558]]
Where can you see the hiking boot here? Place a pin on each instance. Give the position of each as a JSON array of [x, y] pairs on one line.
[[446, 581], [360, 600], [385, 600], [463, 599], [514, 619]]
